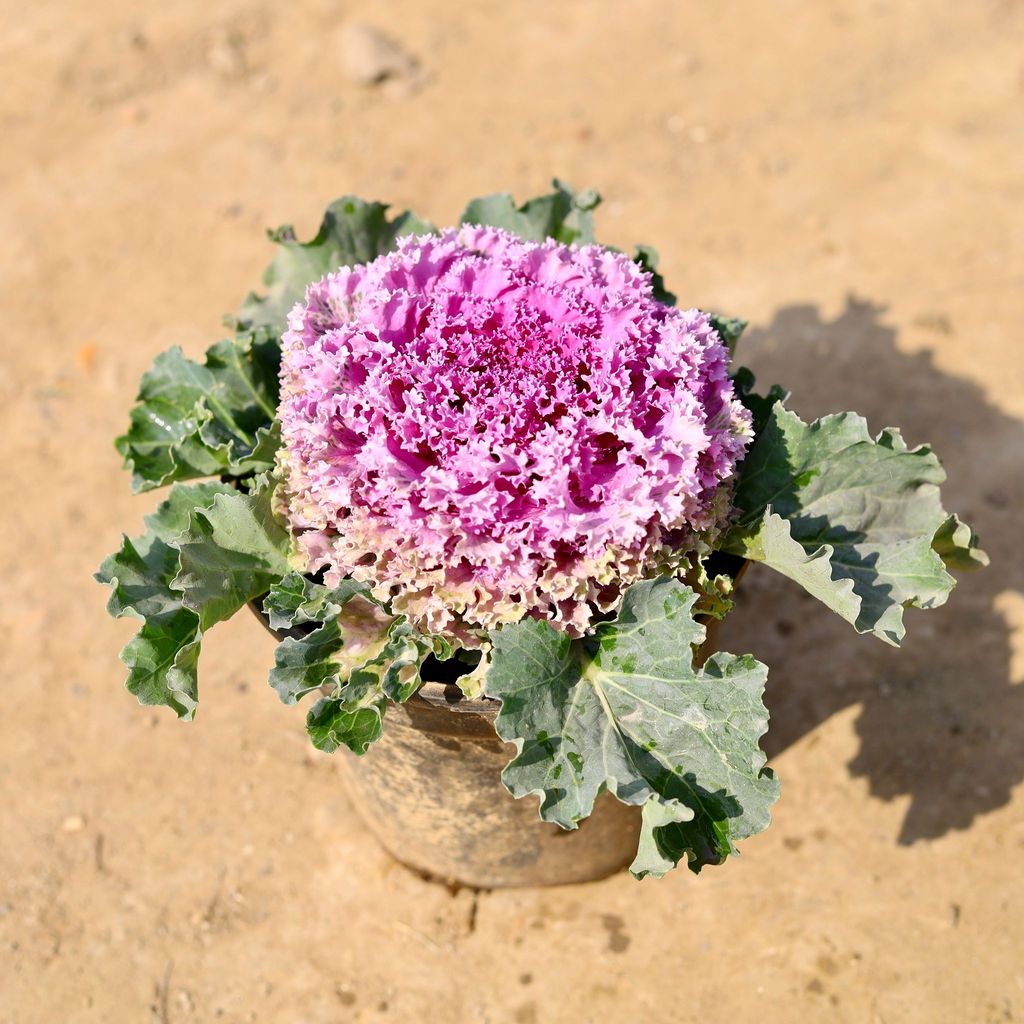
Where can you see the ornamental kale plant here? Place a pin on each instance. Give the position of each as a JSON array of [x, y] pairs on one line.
[[499, 454]]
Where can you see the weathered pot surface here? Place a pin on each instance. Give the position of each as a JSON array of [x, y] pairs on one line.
[[430, 790]]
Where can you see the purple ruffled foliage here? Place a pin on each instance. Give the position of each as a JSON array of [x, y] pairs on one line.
[[485, 428]]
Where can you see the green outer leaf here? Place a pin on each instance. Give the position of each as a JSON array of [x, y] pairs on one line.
[[760, 406], [957, 545], [713, 598], [242, 399], [729, 329], [162, 657], [866, 509], [304, 664], [296, 599], [333, 722], [772, 543], [162, 660], [352, 231], [354, 632], [635, 716], [563, 215], [232, 552], [194, 420], [363, 680], [359, 657], [647, 257], [162, 443]]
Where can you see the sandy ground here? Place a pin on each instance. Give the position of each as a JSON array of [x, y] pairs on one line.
[[849, 176]]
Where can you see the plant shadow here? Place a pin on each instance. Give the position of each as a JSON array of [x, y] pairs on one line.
[[941, 721]]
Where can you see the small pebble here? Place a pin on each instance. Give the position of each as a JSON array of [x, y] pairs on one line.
[[225, 55], [936, 322], [72, 823], [369, 57]]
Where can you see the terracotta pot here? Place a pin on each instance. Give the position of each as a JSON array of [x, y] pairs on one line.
[[430, 791]]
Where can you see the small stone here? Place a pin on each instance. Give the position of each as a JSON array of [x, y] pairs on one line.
[[370, 57], [225, 55], [135, 38], [265, 83], [935, 321], [72, 823]]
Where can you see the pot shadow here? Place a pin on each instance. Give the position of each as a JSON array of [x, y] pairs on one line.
[[941, 721]]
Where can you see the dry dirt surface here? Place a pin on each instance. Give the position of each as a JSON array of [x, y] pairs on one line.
[[847, 175]]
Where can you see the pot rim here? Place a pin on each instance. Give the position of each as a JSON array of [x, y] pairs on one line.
[[448, 696]]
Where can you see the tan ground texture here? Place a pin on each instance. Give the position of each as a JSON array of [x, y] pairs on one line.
[[849, 176]]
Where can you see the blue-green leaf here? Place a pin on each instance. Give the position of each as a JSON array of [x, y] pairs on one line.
[[564, 215], [195, 420], [352, 231], [628, 711], [162, 657], [232, 551], [857, 521]]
